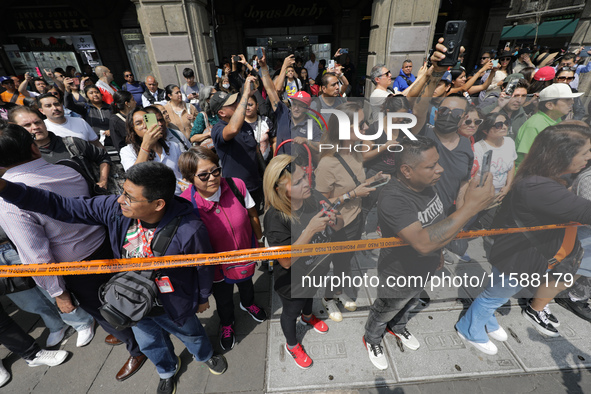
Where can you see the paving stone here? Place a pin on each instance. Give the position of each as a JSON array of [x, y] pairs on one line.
[[538, 352], [443, 354], [340, 359]]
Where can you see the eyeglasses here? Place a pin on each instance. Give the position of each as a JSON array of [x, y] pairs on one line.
[[128, 75], [128, 200], [477, 122], [204, 176], [286, 168], [386, 73], [567, 68], [499, 125], [565, 78], [505, 59], [484, 58], [456, 113]]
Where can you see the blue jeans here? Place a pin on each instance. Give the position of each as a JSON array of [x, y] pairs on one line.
[[152, 334], [38, 301], [480, 317]]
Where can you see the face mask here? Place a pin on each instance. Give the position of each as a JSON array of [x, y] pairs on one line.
[[226, 85], [447, 123]]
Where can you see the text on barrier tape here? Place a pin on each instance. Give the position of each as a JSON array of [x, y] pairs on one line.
[[272, 253]]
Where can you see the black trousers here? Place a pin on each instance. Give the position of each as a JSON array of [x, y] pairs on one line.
[[224, 298], [15, 338], [292, 308], [341, 262], [259, 199], [86, 290]]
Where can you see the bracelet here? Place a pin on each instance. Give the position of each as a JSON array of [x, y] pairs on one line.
[[145, 150]]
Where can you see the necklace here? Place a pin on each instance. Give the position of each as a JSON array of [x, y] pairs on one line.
[[217, 207]]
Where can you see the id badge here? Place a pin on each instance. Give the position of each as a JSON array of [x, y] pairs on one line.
[[164, 284]]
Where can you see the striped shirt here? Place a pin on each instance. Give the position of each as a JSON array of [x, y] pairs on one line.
[[40, 239]]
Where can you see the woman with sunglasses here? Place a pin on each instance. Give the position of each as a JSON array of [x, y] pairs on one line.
[[340, 176], [504, 68], [468, 127], [538, 196], [227, 210], [146, 144], [492, 135], [295, 216]]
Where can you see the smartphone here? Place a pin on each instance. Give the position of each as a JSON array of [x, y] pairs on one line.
[[452, 39], [495, 63], [260, 52], [485, 165], [150, 120], [511, 86], [379, 182], [76, 81], [38, 72], [255, 64], [219, 72], [344, 50], [331, 64], [236, 59]]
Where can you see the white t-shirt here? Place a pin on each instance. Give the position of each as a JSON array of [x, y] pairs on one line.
[[73, 127], [502, 160], [377, 98], [128, 158]]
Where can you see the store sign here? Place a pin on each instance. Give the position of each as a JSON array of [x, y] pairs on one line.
[[45, 20], [83, 43], [286, 14]]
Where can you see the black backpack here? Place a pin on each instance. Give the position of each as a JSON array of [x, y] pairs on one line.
[[128, 297]]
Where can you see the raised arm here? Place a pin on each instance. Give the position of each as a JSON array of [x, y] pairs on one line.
[[280, 79], [237, 120], [268, 82]]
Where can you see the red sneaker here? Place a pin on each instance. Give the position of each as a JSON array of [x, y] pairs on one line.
[[319, 325], [300, 356]]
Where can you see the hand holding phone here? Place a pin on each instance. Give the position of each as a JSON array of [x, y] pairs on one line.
[[219, 73], [485, 166], [380, 181], [150, 120], [452, 39]]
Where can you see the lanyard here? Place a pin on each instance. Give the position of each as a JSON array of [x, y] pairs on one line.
[[146, 248]]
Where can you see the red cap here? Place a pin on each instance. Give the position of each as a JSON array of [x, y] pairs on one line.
[[302, 96], [545, 74]]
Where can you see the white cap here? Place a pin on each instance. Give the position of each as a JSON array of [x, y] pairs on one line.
[[558, 91]]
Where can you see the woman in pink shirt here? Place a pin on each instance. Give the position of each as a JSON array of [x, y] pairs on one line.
[[228, 211]]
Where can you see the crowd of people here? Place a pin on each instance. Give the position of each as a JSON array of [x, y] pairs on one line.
[[94, 170]]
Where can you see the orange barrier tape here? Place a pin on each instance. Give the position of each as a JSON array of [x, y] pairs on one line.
[[272, 253]]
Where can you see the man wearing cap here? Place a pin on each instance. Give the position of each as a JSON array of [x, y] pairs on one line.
[[509, 102], [523, 60], [11, 95], [556, 101], [234, 140]]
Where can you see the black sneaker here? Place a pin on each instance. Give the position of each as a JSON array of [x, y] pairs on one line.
[[553, 319], [217, 364], [257, 313], [540, 321], [168, 386], [227, 339], [579, 308]]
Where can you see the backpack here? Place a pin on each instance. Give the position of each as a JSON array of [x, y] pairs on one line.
[[128, 297]]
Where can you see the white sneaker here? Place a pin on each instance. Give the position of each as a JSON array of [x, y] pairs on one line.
[[85, 335], [51, 358], [347, 302], [56, 337], [499, 335], [487, 348], [4, 375], [407, 339], [376, 355], [332, 310]]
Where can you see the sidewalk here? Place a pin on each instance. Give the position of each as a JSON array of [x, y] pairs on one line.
[[527, 362]]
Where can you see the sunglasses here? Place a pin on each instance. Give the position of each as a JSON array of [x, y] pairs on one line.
[[565, 78], [286, 168], [128, 75], [204, 176], [386, 73], [567, 68], [484, 58], [457, 112], [505, 59], [499, 125], [477, 122]]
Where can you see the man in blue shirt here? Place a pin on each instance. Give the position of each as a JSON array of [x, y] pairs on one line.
[[134, 87], [405, 78]]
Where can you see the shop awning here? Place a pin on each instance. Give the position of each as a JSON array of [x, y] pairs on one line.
[[561, 28], [518, 31]]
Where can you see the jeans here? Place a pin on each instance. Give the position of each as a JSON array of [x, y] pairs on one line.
[[35, 300], [393, 312], [152, 334], [223, 293], [480, 317], [292, 308], [15, 339]]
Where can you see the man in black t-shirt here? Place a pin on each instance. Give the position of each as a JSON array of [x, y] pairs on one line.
[[409, 207]]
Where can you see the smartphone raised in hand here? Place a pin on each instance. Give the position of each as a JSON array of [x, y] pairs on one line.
[[260, 52], [150, 120], [485, 166], [452, 39]]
